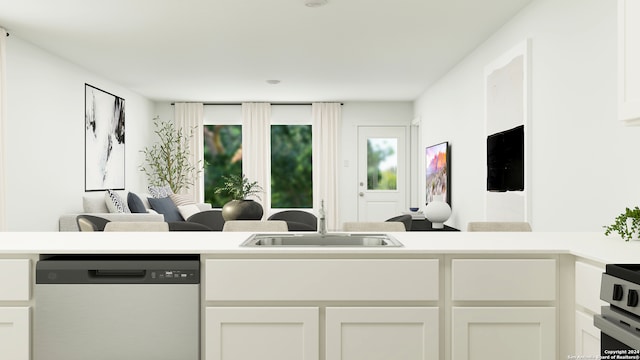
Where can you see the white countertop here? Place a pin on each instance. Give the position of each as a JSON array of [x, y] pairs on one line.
[[593, 246]]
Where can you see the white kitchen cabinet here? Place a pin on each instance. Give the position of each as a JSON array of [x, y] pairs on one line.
[[588, 303], [290, 300], [491, 314], [629, 61], [503, 333], [14, 333], [282, 333], [382, 333]]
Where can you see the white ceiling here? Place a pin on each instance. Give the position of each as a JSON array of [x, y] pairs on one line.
[[225, 50]]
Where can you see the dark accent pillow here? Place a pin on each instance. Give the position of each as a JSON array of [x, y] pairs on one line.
[[135, 203], [166, 207]]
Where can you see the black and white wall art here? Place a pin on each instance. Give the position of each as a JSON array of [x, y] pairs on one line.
[[104, 140]]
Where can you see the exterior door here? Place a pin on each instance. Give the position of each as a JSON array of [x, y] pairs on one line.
[[382, 169]]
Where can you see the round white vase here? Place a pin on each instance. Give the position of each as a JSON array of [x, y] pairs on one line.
[[437, 211]]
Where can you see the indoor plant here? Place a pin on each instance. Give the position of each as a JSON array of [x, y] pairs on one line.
[[240, 189], [626, 224], [168, 160]]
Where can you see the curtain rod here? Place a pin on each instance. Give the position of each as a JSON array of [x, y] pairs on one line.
[[230, 103]]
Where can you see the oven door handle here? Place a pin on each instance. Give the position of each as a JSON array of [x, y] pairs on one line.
[[617, 332]]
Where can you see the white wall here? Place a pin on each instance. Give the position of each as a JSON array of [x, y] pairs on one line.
[[44, 138], [584, 162]]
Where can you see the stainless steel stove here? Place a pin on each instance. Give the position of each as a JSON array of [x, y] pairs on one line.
[[620, 321]]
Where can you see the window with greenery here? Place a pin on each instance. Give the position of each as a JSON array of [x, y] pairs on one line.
[[291, 175], [222, 156]]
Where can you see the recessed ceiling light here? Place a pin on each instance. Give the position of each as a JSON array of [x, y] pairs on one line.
[[315, 3], [273, 82]]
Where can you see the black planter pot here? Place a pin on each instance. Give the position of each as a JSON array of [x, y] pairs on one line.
[[242, 210]]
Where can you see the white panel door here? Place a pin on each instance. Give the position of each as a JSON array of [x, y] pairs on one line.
[[587, 336], [14, 333], [503, 333], [282, 333], [382, 172], [382, 333]]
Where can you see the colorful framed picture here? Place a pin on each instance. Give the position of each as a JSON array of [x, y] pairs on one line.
[[104, 140], [438, 178]]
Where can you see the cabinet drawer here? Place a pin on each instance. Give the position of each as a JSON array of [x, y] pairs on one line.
[[588, 278], [14, 333], [15, 279], [321, 279], [504, 279]]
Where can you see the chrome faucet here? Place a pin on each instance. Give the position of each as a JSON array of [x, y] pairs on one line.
[[322, 227]]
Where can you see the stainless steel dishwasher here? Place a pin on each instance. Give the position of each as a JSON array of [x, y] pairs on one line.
[[106, 307]]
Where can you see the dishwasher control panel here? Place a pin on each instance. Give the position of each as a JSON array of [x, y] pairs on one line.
[[172, 275], [118, 270]]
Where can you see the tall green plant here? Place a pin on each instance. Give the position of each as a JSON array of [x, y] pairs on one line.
[[168, 160]]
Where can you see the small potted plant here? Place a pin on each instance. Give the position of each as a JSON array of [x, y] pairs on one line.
[[241, 189], [626, 224]]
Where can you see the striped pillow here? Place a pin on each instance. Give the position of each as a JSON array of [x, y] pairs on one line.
[[181, 200]]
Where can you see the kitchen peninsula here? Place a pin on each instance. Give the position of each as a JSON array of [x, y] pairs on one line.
[[443, 295]]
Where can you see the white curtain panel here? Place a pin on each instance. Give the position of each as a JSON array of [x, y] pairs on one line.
[[189, 118], [3, 116], [256, 147], [327, 118]]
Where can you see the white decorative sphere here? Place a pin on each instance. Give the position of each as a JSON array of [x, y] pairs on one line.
[[437, 212]]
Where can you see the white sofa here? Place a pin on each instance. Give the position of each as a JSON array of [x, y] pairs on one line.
[[95, 204]]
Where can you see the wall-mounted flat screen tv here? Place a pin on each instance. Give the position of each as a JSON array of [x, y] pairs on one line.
[[505, 160], [438, 172]]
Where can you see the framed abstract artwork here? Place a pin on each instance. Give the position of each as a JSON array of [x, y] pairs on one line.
[[104, 140], [438, 165]]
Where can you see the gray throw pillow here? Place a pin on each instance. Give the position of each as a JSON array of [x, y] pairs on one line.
[[166, 207], [135, 203]]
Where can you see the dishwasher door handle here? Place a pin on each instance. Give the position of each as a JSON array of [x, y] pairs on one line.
[[117, 273]]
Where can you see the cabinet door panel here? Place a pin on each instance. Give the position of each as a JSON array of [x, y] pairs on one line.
[[14, 333], [235, 333], [588, 278], [15, 279], [503, 333], [408, 333], [587, 335]]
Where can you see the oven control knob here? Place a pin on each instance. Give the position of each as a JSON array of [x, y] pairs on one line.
[[632, 298], [618, 292]]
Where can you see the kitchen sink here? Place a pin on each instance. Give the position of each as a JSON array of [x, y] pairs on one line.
[[316, 239]]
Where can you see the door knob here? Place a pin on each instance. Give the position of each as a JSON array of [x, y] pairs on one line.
[[361, 194]]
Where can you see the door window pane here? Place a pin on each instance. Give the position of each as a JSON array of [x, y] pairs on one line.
[[222, 156], [382, 163], [291, 176]]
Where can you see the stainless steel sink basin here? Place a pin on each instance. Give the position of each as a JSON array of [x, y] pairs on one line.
[[315, 239]]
